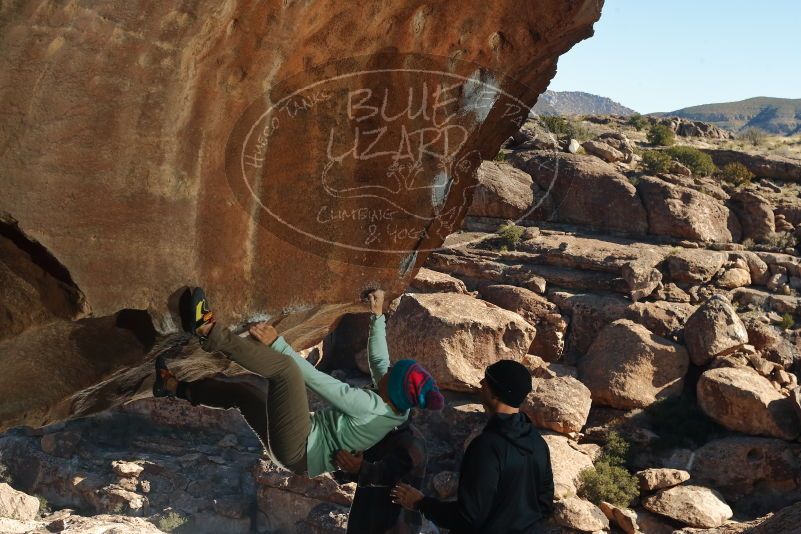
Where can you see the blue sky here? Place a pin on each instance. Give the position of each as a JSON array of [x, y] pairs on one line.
[[662, 56]]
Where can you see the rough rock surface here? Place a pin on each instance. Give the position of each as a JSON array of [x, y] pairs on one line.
[[713, 330], [503, 192], [758, 474], [561, 404], [456, 336], [428, 281], [567, 462], [694, 266], [685, 213], [580, 515], [742, 400], [17, 505], [628, 366], [661, 478], [131, 198], [543, 315], [584, 191], [695, 506]]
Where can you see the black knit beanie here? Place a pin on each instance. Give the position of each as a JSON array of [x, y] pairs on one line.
[[510, 381]]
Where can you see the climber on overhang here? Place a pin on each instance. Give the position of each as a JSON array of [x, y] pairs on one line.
[[357, 418]]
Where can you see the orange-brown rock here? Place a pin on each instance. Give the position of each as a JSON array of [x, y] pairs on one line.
[[455, 337], [236, 145]]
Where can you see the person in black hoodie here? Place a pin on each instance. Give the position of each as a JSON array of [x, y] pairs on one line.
[[505, 482]]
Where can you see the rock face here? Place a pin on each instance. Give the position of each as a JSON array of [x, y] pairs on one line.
[[455, 337], [742, 400], [428, 281], [561, 403], [695, 506], [656, 479], [123, 199], [713, 330], [543, 315], [684, 213], [760, 473], [584, 191], [628, 366], [580, 515], [502, 192], [763, 166], [17, 505]]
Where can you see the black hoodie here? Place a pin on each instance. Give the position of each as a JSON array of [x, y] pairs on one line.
[[505, 482]]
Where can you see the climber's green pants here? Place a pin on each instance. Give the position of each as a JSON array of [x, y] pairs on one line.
[[288, 422]]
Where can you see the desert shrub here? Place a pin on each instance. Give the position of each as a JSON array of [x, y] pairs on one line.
[[679, 422], [564, 127], [638, 121], [44, 506], [171, 521], [500, 156], [782, 240], [510, 235], [661, 135], [655, 161], [755, 136], [736, 174], [787, 321], [609, 480], [698, 162]]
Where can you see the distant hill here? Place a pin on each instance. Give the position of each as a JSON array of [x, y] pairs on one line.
[[775, 115], [578, 103]]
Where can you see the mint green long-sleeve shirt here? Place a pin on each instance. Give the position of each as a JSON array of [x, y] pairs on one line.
[[357, 418]]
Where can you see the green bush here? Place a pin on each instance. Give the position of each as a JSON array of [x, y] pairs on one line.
[[782, 240], [787, 321], [679, 422], [500, 156], [698, 162], [609, 480], [755, 136], [661, 135], [563, 127], [510, 235], [44, 506], [655, 161], [171, 521], [638, 121], [610, 483], [736, 174]]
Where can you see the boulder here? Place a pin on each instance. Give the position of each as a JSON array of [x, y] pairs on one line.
[[642, 278], [502, 192], [455, 337], [756, 266], [589, 313], [604, 151], [660, 317], [428, 281], [694, 266], [158, 144], [542, 314], [744, 401], [561, 404], [580, 515], [660, 478], [627, 366], [17, 505], [624, 518], [755, 213], [695, 506], [762, 165], [763, 471], [684, 213], [714, 329], [734, 278], [584, 191], [785, 521], [567, 462]]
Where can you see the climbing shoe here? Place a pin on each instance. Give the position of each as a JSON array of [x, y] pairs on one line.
[[166, 385], [195, 310]]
